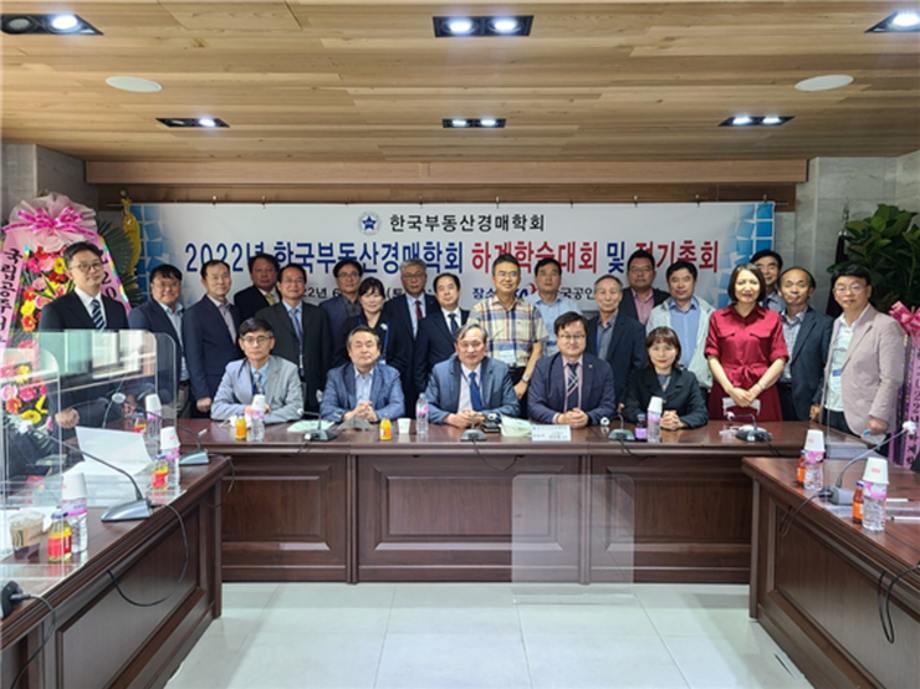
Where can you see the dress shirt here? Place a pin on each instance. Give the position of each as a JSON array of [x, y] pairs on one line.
[[87, 302], [448, 314], [605, 336], [774, 302], [839, 346], [363, 385], [512, 331], [791, 328], [224, 308], [686, 324], [175, 317], [465, 401], [549, 313], [643, 306]]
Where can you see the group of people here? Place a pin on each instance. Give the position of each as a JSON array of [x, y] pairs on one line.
[[768, 353]]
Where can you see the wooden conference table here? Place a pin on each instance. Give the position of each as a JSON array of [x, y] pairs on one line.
[[100, 640], [814, 588], [434, 509]]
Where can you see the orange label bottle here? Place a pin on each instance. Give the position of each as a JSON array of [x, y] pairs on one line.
[[239, 428], [386, 429], [800, 473], [59, 539], [160, 474], [858, 503]]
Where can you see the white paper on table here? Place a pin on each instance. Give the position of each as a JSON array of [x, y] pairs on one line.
[[124, 449]]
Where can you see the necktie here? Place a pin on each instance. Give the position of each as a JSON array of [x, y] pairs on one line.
[[298, 327], [418, 313], [453, 323], [228, 320], [571, 388], [475, 394], [270, 299], [260, 386], [98, 320]]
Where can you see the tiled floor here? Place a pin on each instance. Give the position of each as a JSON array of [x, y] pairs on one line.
[[433, 636]]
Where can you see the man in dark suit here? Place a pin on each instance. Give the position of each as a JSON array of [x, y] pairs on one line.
[[435, 340], [163, 315], [344, 305], [83, 308], [263, 271], [301, 332], [572, 387], [808, 336], [466, 388], [641, 297], [209, 332], [618, 340]]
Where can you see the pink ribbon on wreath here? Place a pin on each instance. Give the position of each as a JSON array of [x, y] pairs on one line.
[[910, 322], [50, 219]]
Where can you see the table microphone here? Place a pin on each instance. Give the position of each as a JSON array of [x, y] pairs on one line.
[[753, 434], [193, 458], [836, 494], [618, 433], [490, 425], [320, 435]]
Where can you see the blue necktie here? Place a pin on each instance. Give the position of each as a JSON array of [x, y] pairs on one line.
[[475, 394], [453, 323], [298, 327], [98, 320], [571, 388]]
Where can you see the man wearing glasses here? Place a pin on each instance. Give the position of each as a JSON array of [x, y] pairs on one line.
[[259, 373], [572, 387], [865, 367], [302, 334], [641, 297], [344, 305]]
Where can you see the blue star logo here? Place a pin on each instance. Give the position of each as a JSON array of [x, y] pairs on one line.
[[369, 223]]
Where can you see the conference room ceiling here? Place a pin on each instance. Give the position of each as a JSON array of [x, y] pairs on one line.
[[369, 82]]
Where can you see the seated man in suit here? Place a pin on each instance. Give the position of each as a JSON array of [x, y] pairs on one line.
[[572, 387], [259, 373], [163, 314], [347, 273], [435, 340], [302, 333], [618, 340], [466, 388], [209, 333], [808, 335], [263, 271], [363, 387]]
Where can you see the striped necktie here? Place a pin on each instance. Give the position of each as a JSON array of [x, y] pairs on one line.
[[571, 388], [270, 299], [475, 394], [98, 320]]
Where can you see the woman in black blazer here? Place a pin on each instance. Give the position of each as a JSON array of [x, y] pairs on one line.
[[662, 376], [395, 342]]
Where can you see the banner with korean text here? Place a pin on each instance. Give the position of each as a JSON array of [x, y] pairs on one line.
[[588, 240]]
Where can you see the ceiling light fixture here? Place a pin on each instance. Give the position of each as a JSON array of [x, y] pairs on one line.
[[825, 82], [457, 27], [133, 84], [750, 121], [37, 24], [193, 122], [899, 22], [466, 123]]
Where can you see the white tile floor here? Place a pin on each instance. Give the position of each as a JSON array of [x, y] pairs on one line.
[[438, 636]]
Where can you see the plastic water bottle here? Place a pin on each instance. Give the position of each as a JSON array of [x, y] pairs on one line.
[[73, 505], [258, 419], [154, 424], [421, 415], [874, 495], [169, 453], [814, 470], [654, 419]]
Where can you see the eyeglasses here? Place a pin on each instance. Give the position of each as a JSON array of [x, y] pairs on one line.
[[87, 267], [167, 284], [347, 276], [640, 269], [413, 276], [855, 288], [470, 344], [566, 337], [502, 275], [293, 281], [259, 340]]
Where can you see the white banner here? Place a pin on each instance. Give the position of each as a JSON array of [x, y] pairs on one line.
[[588, 240]]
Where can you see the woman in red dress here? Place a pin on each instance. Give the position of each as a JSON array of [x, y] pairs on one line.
[[746, 350]]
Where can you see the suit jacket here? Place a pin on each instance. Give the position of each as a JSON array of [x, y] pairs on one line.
[[249, 301], [807, 361], [433, 344], [443, 391], [68, 313], [208, 346], [628, 305], [335, 309], [340, 396], [397, 310], [683, 396], [316, 350], [283, 393], [546, 394], [151, 317], [872, 371], [699, 365], [627, 350]]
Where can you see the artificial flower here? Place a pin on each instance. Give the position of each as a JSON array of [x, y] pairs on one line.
[[39, 283], [40, 405], [32, 416], [27, 308], [22, 374], [29, 323], [59, 266], [27, 393], [8, 392], [13, 405], [7, 371], [28, 294]]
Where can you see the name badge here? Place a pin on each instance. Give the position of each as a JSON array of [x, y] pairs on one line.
[[556, 433], [836, 372], [506, 355]]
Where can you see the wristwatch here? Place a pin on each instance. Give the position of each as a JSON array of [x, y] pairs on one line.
[[525, 378]]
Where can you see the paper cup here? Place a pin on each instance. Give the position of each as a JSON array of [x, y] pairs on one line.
[[152, 403], [74, 486], [258, 402], [655, 405], [876, 470], [814, 441], [404, 425], [169, 440]]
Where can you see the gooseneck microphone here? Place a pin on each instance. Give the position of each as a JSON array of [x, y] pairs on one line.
[[193, 458], [752, 434], [836, 494], [320, 435], [620, 433]]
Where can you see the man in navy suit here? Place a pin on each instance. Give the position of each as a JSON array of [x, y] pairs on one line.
[[343, 306], [808, 337], [641, 297], [618, 340], [572, 387], [209, 332], [364, 387], [301, 333], [83, 308], [466, 388], [263, 271], [435, 340], [163, 314]]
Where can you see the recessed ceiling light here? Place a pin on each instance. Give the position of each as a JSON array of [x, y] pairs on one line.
[[464, 123], [741, 120], [899, 22], [488, 122], [447, 27], [458, 122], [771, 119], [193, 122], [825, 82], [751, 121], [36, 24], [206, 122], [133, 84]]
